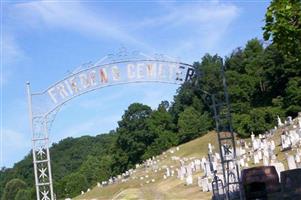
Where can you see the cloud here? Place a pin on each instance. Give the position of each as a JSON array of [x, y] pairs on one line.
[[11, 54], [13, 142], [73, 16], [193, 26]]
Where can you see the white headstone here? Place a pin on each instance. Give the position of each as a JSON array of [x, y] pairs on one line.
[[252, 136], [242, 162], [259, 155], [279, 122], [265, 160], [291, 162], [167, 172], [297, 158], [256, 160], [272, 146], [205, 184], [209, 148], [189, 180], [279, 167]]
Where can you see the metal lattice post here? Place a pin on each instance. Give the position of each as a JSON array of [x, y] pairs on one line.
[[40, 153], [236, 182], [226, 140]]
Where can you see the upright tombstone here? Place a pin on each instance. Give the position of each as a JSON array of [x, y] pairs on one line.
[[278, 166], [289, 120], [291, 162], [265, 161], [252, 136], [280, 124], [256, 159], [167, 172], [189, 180]]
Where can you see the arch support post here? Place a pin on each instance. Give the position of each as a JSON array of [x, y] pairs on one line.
[[220, 104], [40, 152]]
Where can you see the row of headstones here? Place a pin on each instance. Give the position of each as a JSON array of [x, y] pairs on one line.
[[263, 150], [289, 121], [186, 171], [153, 165], [292, 137]]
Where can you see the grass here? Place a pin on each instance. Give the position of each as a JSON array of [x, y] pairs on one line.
[[170, 188]]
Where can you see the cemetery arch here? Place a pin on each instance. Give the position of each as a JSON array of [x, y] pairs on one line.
[[113, 69]]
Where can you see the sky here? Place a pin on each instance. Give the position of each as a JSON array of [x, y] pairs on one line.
[[42, 41]]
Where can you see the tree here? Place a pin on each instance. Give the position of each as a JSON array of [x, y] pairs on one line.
[[72, 185], [12, 187], [23, 195], [292, 98], [91, 169], [192, 124], [283, 26], [134, 137], [161, 125]]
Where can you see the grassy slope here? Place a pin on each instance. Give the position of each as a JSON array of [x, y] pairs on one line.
[[172, 187]]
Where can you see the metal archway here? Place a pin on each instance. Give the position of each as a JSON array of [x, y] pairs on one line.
[[113, 69]]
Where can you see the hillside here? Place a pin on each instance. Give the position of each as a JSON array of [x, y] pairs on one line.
[[170, 188], [155, 186]]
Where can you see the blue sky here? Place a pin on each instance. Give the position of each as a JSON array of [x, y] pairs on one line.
[[42, 40]]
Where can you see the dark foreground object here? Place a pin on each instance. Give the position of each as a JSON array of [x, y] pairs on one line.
[[291, 184], [260, 182]]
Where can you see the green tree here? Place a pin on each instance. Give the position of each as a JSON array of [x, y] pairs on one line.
[[96, 169], [292, 98], [12, 187], [283, 26], [192, 124], [23, 195], [134, 137], [161, 125], [72, 185]]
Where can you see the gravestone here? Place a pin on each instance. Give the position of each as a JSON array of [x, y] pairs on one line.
[[279, 167], [272, 146], [167, 172], [242, 162], [291, 162], [189, 180], [252, 136], [259, 155], [256, 160], [205, 184], [297, 158], [265, 160], [280, 124]]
